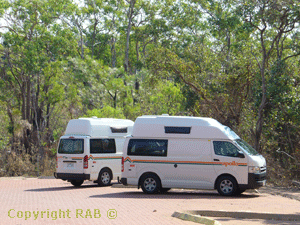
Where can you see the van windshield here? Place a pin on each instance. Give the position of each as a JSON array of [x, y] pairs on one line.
[[70, 146], [246, 147], [231, 134]]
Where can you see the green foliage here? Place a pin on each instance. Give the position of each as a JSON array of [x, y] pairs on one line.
[[167, 99]]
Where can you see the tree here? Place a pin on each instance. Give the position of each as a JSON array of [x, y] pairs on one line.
[[32, 48], [273, 22]]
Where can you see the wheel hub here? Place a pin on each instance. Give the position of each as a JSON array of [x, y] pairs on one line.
[[105, 177], [149, 184], [226, 186]]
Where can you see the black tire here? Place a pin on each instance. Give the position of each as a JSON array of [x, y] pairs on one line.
[[150, 184], [77, 183], [104, 178], [227, 186], [164, 190]]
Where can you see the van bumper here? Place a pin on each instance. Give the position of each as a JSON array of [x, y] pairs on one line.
[[124, 181], [72, 176], [254, 181]]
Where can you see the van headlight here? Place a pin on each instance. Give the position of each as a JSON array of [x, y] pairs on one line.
[[254, 169]]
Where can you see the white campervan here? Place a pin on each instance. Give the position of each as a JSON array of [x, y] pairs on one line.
[[91, 149], [189, 152]]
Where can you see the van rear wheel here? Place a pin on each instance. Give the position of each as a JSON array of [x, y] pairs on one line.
[[150, 184], [227, 186], [104, 178], [77, 183]]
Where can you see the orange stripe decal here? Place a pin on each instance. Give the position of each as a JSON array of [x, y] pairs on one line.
[[233, 163]]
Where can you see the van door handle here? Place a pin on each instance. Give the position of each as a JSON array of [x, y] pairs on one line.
[[175, 165], [216, 159]]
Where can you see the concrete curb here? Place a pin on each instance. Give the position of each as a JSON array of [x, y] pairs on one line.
[[247, 215], [195, 218]]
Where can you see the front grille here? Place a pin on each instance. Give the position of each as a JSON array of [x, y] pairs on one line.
[[263, 169], [260, 178]]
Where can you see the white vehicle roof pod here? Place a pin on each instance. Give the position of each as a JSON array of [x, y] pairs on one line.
[[97, 127], [193, 127]]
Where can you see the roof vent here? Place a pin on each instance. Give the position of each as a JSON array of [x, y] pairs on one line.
[[177, 130], [94, 117], [165, 114], [118, 129]]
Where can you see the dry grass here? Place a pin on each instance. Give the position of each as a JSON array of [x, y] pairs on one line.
[[277, 175], [27, 165]]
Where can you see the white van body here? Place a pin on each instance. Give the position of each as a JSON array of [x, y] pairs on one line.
[[91, 149], [166, 152]]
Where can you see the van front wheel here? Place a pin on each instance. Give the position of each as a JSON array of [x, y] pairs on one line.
[[150, 184], [227, 186]]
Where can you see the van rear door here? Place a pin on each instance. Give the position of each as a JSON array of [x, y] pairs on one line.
[[70, 155]]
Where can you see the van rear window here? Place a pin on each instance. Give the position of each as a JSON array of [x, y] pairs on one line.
[[147, 147], [177, 130], [70, 146]]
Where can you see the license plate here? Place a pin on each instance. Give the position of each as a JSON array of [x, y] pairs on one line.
[[70, 165], [264, 183]]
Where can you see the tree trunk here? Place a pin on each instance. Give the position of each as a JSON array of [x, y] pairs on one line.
[[130, 17], [113, 52], [28, 99], [260, 119], [94, 36]]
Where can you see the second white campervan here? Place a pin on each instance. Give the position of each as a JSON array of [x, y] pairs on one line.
[[166, 152], [91, 149]]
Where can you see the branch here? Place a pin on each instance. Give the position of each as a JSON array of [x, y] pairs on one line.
[[278, 150], [255, 58], [290, 56], [9, 28]]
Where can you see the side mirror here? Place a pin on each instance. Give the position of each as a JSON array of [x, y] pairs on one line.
[[240, 155]]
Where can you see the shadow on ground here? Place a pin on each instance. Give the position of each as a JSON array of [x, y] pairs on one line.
[[65, 188], [173, 194], [257, 221]]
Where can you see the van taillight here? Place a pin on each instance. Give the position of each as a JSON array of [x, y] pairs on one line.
[[122, 167], [85, 162], [56, 162]]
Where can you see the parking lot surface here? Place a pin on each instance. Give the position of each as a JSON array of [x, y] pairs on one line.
[[51, 201]]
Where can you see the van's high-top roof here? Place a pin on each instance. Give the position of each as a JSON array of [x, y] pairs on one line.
[[181, 127], [97, 127]]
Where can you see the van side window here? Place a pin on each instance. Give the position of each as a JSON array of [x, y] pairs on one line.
[[102, 146], [147, 147], [225, 148]]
